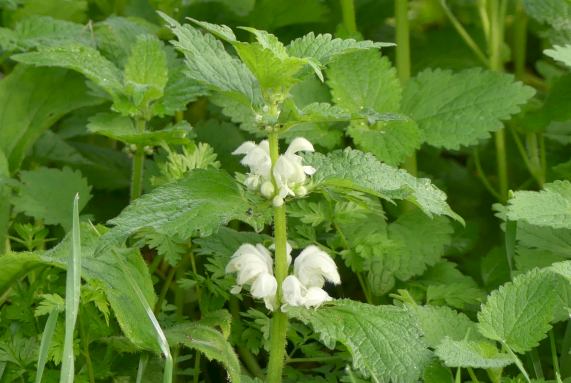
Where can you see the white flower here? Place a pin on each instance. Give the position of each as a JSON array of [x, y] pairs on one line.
[[257, 158], [289, 173], [311, 269], [249, 262], [265, 287]]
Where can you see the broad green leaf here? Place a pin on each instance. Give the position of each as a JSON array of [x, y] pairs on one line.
[[219, 30], [435, 372], [209, 342], [268, 41], [355, 170], [459, 109], [324, 47], [80, 58], [36, 31], [439, 322], [549, 207], [32, 100], [197, 204], [72, 295], [391, 142], [560, 53], [210, 64], [469, 353], [15, 266], [383, 340], [556, 14], [146, 71], [364, 80], [272, 71], [44, 192], [519, 312], [122, 128]]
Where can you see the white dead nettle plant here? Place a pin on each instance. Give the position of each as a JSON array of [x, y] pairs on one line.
[[289, 173]]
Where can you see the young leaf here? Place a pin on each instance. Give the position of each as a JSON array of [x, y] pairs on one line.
[[355, 170], [470, 353], [32, 100], [208, 341], [72, 294], [324, 47], [201, 202], [210, 64], [561, 53], [383, 340], [44, 191], [458, 109], [550, 207], [146, 71], [518, 313], [123, 129], [80, 58]]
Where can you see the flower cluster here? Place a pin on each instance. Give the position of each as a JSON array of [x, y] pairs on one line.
[[289, 173], [311, 269]]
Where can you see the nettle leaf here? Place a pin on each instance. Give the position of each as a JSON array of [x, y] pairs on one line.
[[199, 203], [45, 194], [475, 354], [519, 312], [210, 64], [364, 83], [210, 342], [122, 128], [146, 72], [323, 47], [458, 109], [383, 340], [439, 322], [354, 170], [32, 100], [35, 31], [556, 14], [272, 71], [81, 58], [548, 207], [560, 53]]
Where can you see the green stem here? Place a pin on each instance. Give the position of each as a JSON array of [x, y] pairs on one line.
[[138, 164], [482, 175], [553, 348], [565, 351], [314, 359], [279, 323], [196, 374], [349, 19], [165, 289], [535, 158], [473, 375], [502, 161], [519, 40], [536, 363], [517, 362]]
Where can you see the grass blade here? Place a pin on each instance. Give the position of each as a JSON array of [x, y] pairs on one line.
[[45, 343], [72, 289], [160, 335]]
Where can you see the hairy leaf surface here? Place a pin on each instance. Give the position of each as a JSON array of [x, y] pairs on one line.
[[470, 353]]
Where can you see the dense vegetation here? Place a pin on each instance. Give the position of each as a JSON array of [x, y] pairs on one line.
[[285, 190]]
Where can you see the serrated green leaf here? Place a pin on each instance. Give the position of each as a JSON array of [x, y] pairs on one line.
[[439, 322], [272, 71], [383, 340], [35, 31], [364, 80], [555, 14], [122, 128], [32, 100], [80, 58], [146, 72], [560, 53], [219, 30], [323, 47], [475, 354], [209, 342], [519, 312], [197, 204], [549, 207], [459, 109], [45, 194], [210, 64], [391, 142], [352, 169]]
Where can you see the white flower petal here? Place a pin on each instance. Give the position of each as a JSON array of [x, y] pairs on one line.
[[292, 291], [299, 144], [265, 285], [245, 148], [309, 170], [313, 266], [315, 297]]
